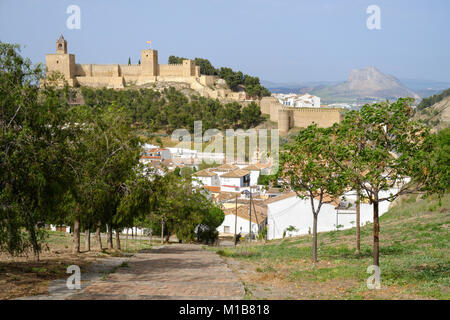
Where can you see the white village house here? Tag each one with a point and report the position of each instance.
(289, 210)
(255, 171)
(242, 220)
(206, 177)
(224, 168)
(235, 181)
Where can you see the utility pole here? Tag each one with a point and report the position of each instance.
(358, 223)
(162, 231)
(235, 224)
(256, 215)
(250, 221)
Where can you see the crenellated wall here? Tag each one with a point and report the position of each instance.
(83, 70)
(288, 117)
(133, 70)
(266, 102)
(100, 82)
(323, 117)
(105, 70)
(171, 70)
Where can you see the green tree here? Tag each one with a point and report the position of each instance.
(307, 169)
(251, 115)
(103, 157)
(206, 67)
(380, 147)
(32, 151)
(176, 60)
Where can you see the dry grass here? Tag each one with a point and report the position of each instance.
(23, 276)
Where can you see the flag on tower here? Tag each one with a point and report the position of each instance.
(148, 41)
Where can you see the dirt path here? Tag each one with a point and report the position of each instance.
(168, 272)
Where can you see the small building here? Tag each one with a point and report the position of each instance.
(235, 181)
(255, 171)
(242, 220)
(206, 177)
(224, 168)
(61, 228)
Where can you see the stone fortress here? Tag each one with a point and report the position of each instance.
(118, 76)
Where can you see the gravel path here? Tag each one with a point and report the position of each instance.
(177, 271)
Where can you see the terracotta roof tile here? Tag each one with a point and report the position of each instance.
(205, 173)
(235, 174)
(226, 167)
(252, 167)
(243, 212)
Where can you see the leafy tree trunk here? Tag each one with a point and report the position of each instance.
(162, 231)
(99, 236)
(167, 237)
(150, 236)
(376, 232)
(118, 240)
(110, 238)
(33, 238)
(76, 234)
(314, 257)
(358, 223)
(126, 240)
(87, 240)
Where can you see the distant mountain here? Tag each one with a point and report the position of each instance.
(371, 83)
(295, 87)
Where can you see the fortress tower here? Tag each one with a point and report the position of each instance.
(62, 61)
(149, 62)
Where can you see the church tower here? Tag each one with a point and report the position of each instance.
(61, 61)
(61, 45)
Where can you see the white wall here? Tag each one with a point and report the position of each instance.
(241, 223)
(206, 181)
(236, 182)
(297, 212)
(254, 177)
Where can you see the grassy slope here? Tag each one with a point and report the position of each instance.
(415, 256)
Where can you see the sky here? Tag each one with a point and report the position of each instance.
(280, 41)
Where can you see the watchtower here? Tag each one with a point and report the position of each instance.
(61, 61)
(149, 62)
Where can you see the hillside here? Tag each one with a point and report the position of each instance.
(437, 115)
(414, 260)
(364, 85)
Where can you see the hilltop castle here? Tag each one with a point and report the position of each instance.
(118, 76)
(149, 71)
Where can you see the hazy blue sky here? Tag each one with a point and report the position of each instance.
(282, 41)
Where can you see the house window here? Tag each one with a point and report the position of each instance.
(226, 229)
